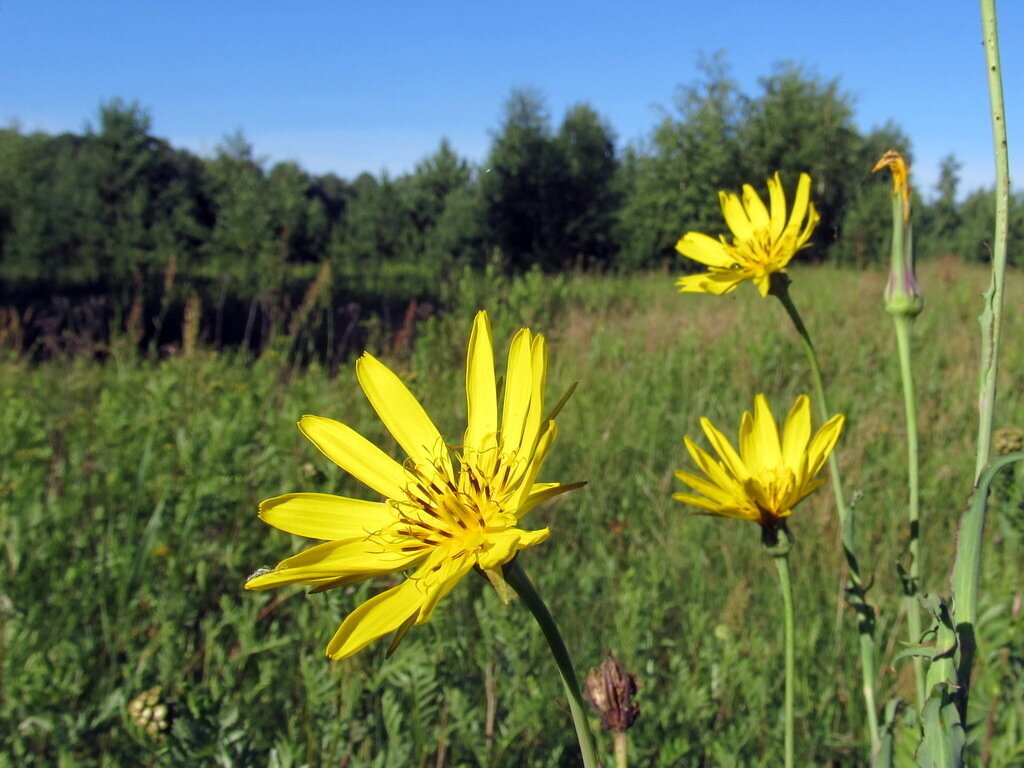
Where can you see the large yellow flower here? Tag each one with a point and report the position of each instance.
(435, 520)
(766, 479)
(763, 241)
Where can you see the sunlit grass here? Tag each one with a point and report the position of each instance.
(128, 525)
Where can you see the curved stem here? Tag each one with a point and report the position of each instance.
(516, 578)
(856, 593)
(782, 565)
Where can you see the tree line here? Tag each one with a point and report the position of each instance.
(116, 207)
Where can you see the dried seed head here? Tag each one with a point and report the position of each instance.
(610, 689)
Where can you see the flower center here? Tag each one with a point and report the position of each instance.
(772, 489)
(438, 511)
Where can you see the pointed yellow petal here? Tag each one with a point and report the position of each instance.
(710, 507)
(481, 392)
(735, 216)
(715, 472)
(375, 618)
(765, 435)
(731, 496)
(518, 389)
(704, 249)
(777, 198)
(725, 450)
(535, 417)
(402, 414)
(796, 433)
(324, 516)
(350, 561)
(756, 211)
(438, 579)
(823, 443)
(717, 283)
(355, 454)
(542, 492)
(800, 203)
(533, 467)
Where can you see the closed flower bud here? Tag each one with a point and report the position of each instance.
(610, 690)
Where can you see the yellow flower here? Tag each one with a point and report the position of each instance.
(434, 519)
(766, 479)
(763, 241)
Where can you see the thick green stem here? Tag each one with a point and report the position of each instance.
(782, 565)
(516, 578)
(912, 588)
(991, 316)
(967, 567)
(856, 593)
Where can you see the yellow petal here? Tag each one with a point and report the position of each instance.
(356, 455)
(324, 516)
(402, 414)
(711, 507)
(437, 579)
(796, 433)
(518, 390)
(800, 204)
(481, 391)
(375, 618)
(538, 371)
(756, 211)
(704, 249)
(542, 492)
(735, 216)
(731, 496)
(344, 561)
(823, 443)
(764, 437)
(777, 198)
(715, 472)
(717, 283)
(533, 467)
(725, 450)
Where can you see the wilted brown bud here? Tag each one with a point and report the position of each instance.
(609, 690)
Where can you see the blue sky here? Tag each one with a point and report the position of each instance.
(352, 86)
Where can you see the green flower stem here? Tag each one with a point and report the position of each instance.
(902, 324)
(992, 315)
(782, 565)
(967, 566)
(856, 594)
(621, 749)
(516, 578)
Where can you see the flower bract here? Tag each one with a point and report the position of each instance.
(767, 477)
(762, 242)
(444, 510)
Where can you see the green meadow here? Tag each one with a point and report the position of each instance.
(128, 497)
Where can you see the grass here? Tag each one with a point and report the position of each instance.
(128, 493)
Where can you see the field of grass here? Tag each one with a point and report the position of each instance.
(128, 495)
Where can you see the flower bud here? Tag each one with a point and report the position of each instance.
(902, 292)
(609, 689)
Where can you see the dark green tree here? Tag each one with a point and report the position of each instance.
(591, 196)
(671, 182)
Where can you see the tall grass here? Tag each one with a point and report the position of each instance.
(128, 493)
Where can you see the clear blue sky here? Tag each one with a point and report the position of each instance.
(349, 86)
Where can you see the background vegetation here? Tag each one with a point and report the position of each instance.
(116, 227)
(128, 492)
